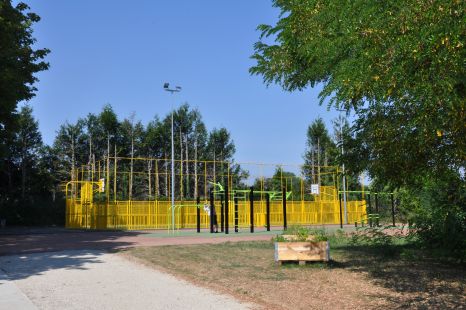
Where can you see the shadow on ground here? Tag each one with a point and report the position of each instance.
(23, 266)
(418, 282)
(25, 241)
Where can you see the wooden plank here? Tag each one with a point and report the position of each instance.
(302, 251)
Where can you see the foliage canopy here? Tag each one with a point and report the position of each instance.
(399, 65)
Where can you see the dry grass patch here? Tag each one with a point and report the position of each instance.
(356, 279)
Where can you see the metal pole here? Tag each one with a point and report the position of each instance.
(267, 204)
(222, 215)
(212, 211)
(341, 216)
(369, 217)
(198, 214)
(172, 91)
(226, 209)
(173, 179)
(377, 209)
(393, 210)
(285, 226)
(235, 199)
(251, 210)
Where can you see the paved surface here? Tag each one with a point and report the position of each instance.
(51, 240)
(11, 296)
(56, 268)
(97, 280)
(37, 240)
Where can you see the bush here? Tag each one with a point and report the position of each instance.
(302, 233)
(437, 212)
(371, 236)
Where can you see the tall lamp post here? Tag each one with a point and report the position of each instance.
(343, 168)
(166, 87)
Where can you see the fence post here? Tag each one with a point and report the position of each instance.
(226, 209)
(222, 215)
(369, 217)
(251, 207)
(236, 213)
(267, 205)
(284, 208)
(211, 192)
(198, 214)
(341, 215)
(393, 209)
(377, 209)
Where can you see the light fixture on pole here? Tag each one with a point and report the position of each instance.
(166, 87)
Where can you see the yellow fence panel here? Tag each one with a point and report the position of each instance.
(140, 215)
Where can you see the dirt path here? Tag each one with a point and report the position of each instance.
(97, 280)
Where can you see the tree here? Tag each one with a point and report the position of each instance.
(132, 134)
(110, 125)
(71, 149)
(27, 144)
(220, 148)
(280, 179)
(19, 61)
(398, 64)
(155, 146)
(320, 151)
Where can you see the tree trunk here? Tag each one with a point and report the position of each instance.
(73, 186)
(115, 175)
(23, 178)
(131, 168)
(215, 177)
(187, 167)
(318, 161)
(149, 168)
(195, 167)
(156, 191)
(222, 172)
(107, 181)
(89, 174)
(181, 166)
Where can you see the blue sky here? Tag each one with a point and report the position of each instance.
(121, 52)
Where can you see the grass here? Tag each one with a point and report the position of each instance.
(360, 276)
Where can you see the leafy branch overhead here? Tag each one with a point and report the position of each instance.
(399, 65)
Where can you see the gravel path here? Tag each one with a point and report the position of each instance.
(95, 279)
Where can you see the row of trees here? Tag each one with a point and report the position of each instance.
(32, 182)
(322, 162)
(34, 170)
(22, 177)
(102, 136)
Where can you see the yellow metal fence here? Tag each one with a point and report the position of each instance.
(138, 215)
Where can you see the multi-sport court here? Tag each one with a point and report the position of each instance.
(135, 194)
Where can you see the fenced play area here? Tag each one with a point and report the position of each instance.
(135, 194)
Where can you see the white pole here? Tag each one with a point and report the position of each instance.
(172, 91)
(173, 179)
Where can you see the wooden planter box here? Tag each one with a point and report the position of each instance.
(295, 238)
(302, 252)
